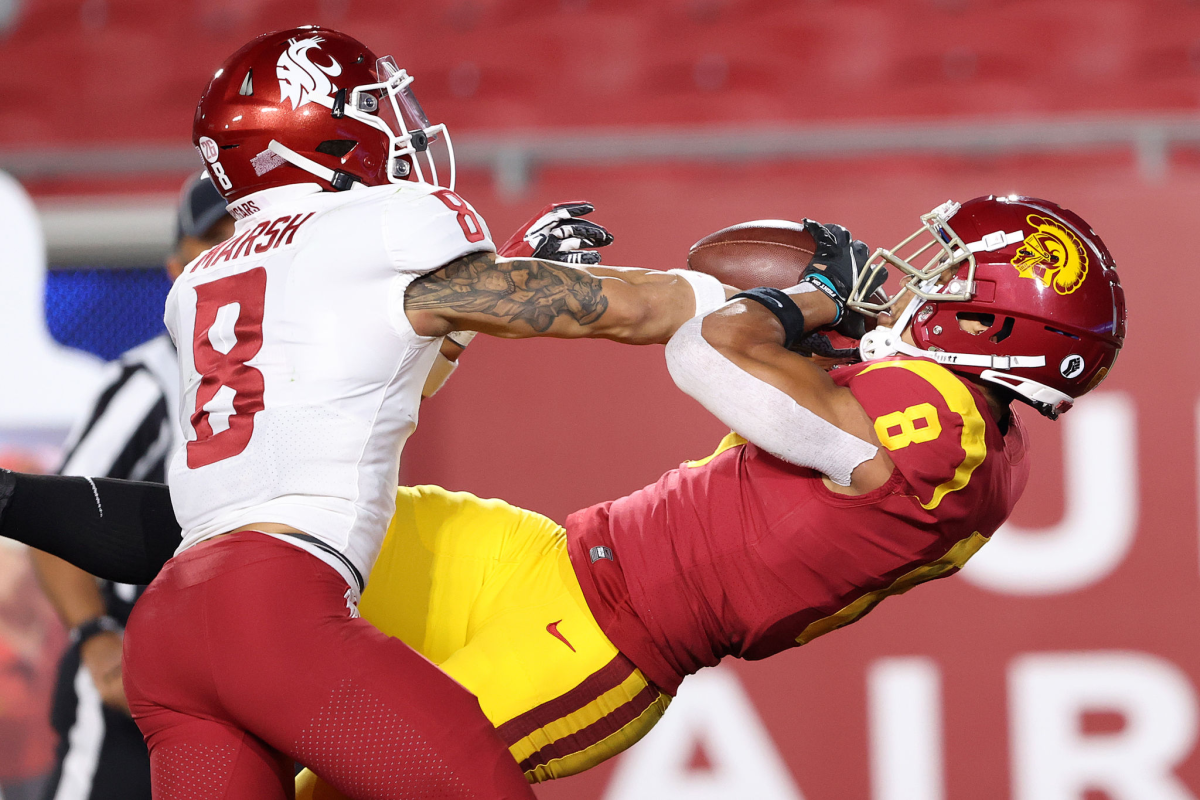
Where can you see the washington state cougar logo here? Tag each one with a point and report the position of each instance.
(1052, 255)
(302, 81)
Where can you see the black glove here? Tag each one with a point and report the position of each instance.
(835, 268)
(558, 234)
(817, 343)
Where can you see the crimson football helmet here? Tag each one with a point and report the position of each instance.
(1037, 284)
(313, 105)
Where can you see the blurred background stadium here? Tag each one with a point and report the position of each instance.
(1064, 664)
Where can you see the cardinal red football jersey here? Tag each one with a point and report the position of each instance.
(744, 554)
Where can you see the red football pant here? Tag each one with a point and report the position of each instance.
(242, 656)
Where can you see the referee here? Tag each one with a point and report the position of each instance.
(129, 433)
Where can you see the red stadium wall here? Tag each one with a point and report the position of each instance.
(118, 75)
(558, 425)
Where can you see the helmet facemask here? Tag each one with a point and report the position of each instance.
(404, 122)
(940, 245)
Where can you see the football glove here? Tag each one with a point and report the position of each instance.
(558, 234)
(828, 344)
(835, 268)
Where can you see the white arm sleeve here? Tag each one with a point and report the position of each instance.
(710, 294)
(758, 411)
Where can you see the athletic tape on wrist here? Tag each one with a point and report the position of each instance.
(783, 307)
(439, 373)
(709, 292)
(760, 412)
(461, 338)
(823, 284)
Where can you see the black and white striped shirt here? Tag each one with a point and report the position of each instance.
(130, 433)
(131, 429)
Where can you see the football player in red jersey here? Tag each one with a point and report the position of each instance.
(853, 486)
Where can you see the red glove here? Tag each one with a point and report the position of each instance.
(558, 234)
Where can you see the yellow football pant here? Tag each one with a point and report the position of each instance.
(486, 591)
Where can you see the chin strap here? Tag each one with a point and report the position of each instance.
(890, 344)
(884, 342)
(338, 179)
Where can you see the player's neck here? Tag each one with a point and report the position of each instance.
(1000, 408)
(997, 403)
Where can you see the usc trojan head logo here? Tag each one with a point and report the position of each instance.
(302, 81)
(1053, 255)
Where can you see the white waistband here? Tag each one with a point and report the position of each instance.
(329, 558)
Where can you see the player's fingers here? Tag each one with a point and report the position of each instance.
(567, 245)
(861, 253)
(537, 241)
(589, 233)
(821, 235)
(544, 222)
(575, 208)
(876, 281)
(586, 257)
(556, 214)
(841, 236)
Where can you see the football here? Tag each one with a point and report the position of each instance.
(765, 252)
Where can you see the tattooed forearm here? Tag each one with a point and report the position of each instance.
(518, 290)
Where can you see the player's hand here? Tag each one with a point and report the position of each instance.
(101, 654)
(835, 269)
(557, 233)
(828, 349)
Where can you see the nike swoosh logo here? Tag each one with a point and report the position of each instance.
(552, 629)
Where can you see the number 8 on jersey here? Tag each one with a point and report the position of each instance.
(228, 333)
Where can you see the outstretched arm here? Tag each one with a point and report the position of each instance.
(121, 531)
(735, 363)
(522, 297)
(739, 364)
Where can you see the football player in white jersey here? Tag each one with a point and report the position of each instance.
(305, 342)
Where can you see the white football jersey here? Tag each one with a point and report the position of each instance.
(301, 375)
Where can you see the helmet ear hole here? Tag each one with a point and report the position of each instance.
(1005, 330)
(338, 148)
(974, 323)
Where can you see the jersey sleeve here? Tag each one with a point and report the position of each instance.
(426, 228)
(929, 422)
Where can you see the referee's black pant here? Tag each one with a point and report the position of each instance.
(101, 754)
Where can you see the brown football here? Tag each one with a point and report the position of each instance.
(765, 252)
